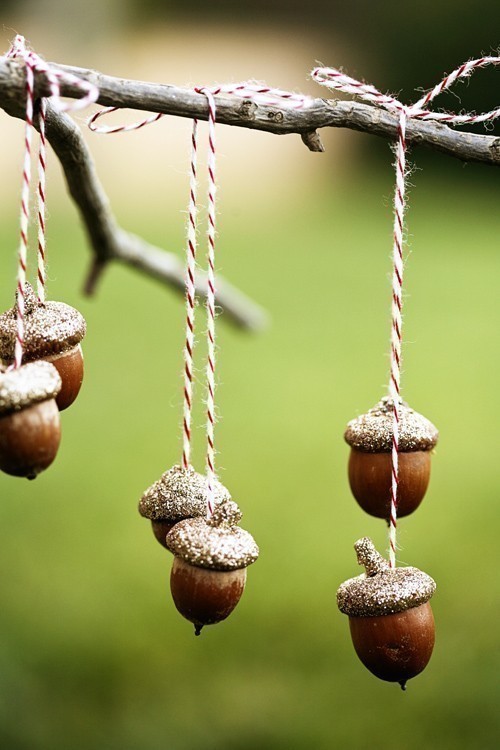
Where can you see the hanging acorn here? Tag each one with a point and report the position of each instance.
(53, 332)
(370, 465)
(30, 430)
(178, 494)
(390, 617)
(209, 569)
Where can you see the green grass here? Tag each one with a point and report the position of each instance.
(92, 651)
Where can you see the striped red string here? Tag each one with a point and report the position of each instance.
(35, 65)
(42, 166)
(190, 301)
(259, 94)
(25, 196)
(210, 302)
(333, 78)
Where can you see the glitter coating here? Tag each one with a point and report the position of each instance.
(372, 432)
(28, 385)
(368, 557)
(227, 513)
(178, 494)
(382, 590)
(204, 545)
(50, 328)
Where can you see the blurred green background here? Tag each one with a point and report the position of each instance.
(92, 651)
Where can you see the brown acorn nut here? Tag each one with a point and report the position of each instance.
(178, 494)
(209, 569)
(370, 461)
(390, 617)
(53, 331)
(30, 430)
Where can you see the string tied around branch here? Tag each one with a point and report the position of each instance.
(259, 94)
(35, 65)
(256, 92)
(336, 80)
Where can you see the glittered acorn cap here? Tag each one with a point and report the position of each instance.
(382, 590)
(178, 494)
(217, 543)
(27, 385)
(50, 328)
(372, 432)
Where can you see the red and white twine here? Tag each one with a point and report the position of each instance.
(264, 95)
(335, 79)
(260, 95)
(42, 166)
(210, 304)
(256, 92)
(190, 301)
(25, 197)
(35, 65)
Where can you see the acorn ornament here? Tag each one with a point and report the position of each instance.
(53, 331)
(390, 617)
(30, 430)
(210, 561)
(177, 495)
(370, 463)
(211, 553)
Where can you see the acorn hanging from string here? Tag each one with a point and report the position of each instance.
(30, 430)
(209, 568)
(390, 617)
(177, 495)
(370, 463)
(53, 332)
(211, 554)
(44, 330)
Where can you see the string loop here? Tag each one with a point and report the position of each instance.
(259, 94)
(35, 65)
(335, 79)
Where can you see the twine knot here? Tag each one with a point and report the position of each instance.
(335, 79)
(54, 77)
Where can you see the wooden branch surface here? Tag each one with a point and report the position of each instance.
(239, 112)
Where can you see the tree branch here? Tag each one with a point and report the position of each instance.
(240, 112)
(108, 240)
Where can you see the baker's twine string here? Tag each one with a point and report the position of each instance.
(260, 95)
(210, 302)
(337, 80)
(42, 166)
(191, 248)
(35, 65)
(249, 92)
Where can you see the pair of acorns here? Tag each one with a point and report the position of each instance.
(391, 621)
(211, 553)
(47, 382)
